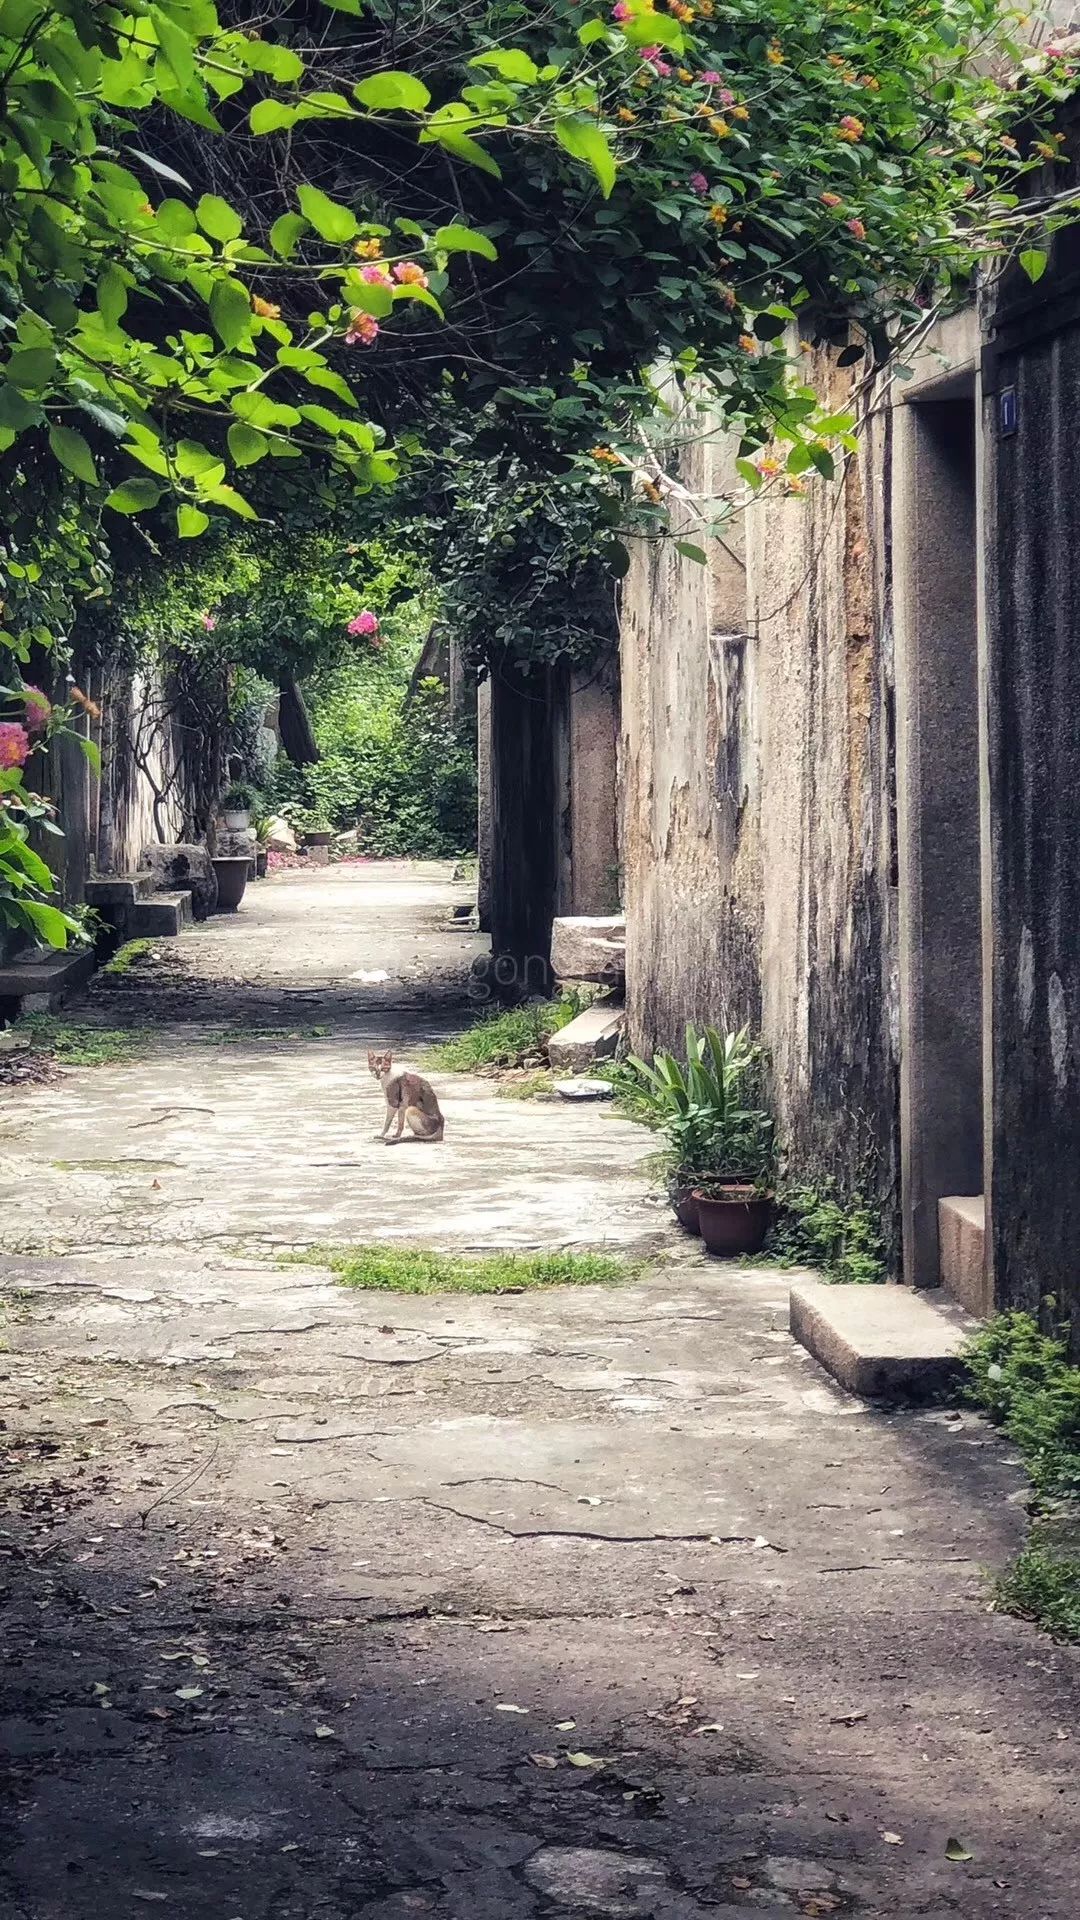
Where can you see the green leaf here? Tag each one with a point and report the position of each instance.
(1034, 262)
(690, 552)
(285, 233)
(134, 496)
(218, 219)
(956, 1850)
(91, 751)
(458, 239)
(386, 91)
(230, 311)
(52, 925)
(191, 521)
(175, 218)
(462, 145)
(31, 368)
(592, 31)
(177, 47)
(112, 296)
(331, 221)
(224, 496)
(279, 62)
(345, 6)
(269, 116)
(654, 30)
(509, 63)
(581, 137)
(73, 453)
(246, 444)
(425, 298)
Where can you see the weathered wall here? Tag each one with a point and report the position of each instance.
(757, 807)
(1033, 718)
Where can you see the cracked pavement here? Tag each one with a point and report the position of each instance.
(591, 1601)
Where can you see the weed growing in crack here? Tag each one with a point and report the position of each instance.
(127, 957)
(72, 1044)
(514, 1038)
(395, 1269)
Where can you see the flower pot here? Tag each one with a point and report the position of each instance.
(319, 837)
(236, 819)
(684, 1206)
(260, 864)
(232, 877)
(734, 1221)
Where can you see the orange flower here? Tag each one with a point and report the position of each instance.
(718, 214)
(748, 343)
(681, 11)
(684, 74)
(767, 466)
(706, 8)
(652, 492)
(265, 309)
(80, 699)
(368, 249)
(851, 128)
(740, 113)
(831, 200)
(794, 485)
(774, 54)
(867, 80)
(720, 128)
(606, 454)
(626, 115)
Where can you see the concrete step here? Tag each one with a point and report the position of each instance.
(962, 1257)
(883, 1343)
(111, 890)
(159, 916)
(592, 1035)
(589, 947)
(43, 984)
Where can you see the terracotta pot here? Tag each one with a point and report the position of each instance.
(684, 1206)
(735, 1221)
(232, 878)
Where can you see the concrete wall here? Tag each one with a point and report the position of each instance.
(757, 787)
(1033, 717)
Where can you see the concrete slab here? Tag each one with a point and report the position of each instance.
(589, 947)
(593, 1035)
(46, 982)
(962, 1243)
(883, 1343)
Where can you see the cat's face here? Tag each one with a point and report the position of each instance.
(380, 1063)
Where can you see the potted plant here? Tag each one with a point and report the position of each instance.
(260, 826)
(236, 805)
(720, 1137)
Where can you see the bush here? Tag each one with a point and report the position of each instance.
(401, 772)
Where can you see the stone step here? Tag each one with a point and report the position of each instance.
(592, 1035)
(883, 1342)
(44, 983)
(159, 916)
(112, 890)
(962, 1257)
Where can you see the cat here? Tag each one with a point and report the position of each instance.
(409, 1098)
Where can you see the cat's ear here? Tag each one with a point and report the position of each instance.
(372, 1060)
(388, 1061)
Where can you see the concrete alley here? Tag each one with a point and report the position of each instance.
(323, 1604)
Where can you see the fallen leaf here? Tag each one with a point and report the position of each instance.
(543, 1759)
(291, 1846)
(584, 1760)
(505, 1706)
(847, 1719)
(711, 1726)
(324, 1733)
(739, 1880)
(160, 1713)
(893, 1839)
(589, 1500)
(140, 1893)
(188, 1693)
(956, 1850)
(565, 1726)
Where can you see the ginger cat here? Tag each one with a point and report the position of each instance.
(409, 1098)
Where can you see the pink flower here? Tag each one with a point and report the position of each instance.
(654, 58)
(375, 276)
(726, 98)
(38, 709)
(363, 331)
(365, 623)
(14, 745)
(698, 183)
(620, 11)
(209, 621)
(710, 78)
(409, 274)
(856, 227)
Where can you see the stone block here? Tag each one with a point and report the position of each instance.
(962, 1251)
(109, 891)
(41, 983)
(589, 947)
(317, 856)
(184, 868)
(592, 1035)
(159, 917)
(883, 1343)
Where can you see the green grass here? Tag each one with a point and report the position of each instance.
(505, 1039)
(535, 1086)
(1022, 1379)
(393, 1269)
(1044, 1586)
(127, 957)
(74, 1045)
